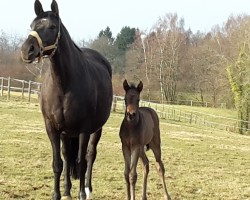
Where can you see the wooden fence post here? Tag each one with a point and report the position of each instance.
(8, 97)
(114, 103)
(191, 118)
(23, 84)
(29, 90)
(2, 85)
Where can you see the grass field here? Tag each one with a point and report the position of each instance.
(200, 163)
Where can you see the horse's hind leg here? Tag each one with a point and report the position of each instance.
(83, 144)
(160, 167)
(91, 156)
(145, 163)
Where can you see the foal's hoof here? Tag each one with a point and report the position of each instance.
(66, 198)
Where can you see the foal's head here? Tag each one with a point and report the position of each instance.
(44, 35)
(132, 98)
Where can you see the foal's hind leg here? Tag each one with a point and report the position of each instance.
(91, 156)
(145, 163)
(160, 167)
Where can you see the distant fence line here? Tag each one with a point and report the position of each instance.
(191, 103)
(166, 111)
(16, 85)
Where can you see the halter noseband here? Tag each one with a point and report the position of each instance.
(47, 48)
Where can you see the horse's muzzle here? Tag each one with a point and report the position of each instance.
(30, 50)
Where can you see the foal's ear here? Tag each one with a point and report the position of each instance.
(140, 87)
(125, 85)
(38, 7)
(54, 7)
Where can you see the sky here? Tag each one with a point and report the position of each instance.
(84, 19)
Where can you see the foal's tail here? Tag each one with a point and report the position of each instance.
(73, 152)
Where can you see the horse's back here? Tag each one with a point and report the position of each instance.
(95, 56)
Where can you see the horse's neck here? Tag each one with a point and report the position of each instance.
(64, 61)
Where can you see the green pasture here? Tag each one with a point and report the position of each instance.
(201, 162)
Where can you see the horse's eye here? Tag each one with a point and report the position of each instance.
(52, 27)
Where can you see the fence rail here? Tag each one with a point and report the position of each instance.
(15, 85)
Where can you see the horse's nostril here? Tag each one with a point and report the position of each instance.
(31, 49)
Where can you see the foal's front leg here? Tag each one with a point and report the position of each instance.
(127, 158)
(135, 153)
(145, 163)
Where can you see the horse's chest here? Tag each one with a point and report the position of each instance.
(68, 115)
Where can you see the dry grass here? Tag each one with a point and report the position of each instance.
(200, 164)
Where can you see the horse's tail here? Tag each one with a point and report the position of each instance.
(73, 153)
(146, 147)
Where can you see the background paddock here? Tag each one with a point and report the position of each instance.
(201, 163)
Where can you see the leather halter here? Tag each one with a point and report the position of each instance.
(47, 48)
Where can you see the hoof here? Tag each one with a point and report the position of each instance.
(66, 198)
(88, 194)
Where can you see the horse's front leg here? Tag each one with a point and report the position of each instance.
(91, 156)
(66, 150)
(57, 163)
(127, 158)
(135, 153)
(83, 144)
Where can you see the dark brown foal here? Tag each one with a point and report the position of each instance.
(140, 128)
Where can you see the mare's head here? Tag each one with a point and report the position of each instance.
(44, 35)
(132, 98)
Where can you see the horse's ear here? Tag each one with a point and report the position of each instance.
(38, 7)
(54, 7)
(140, 87)
(125, 85)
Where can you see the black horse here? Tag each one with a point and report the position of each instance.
(140, 128)
(76, 98)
